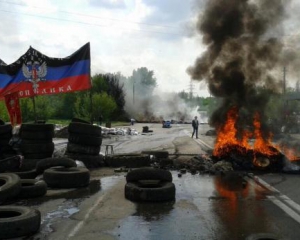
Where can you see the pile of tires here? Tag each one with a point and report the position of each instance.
(127, 160)
(84, 143)
(63, 177)
(37, 140)
(149, 185)
(5, 136)
(18, 221)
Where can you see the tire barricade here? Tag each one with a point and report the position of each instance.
(128, 160)
(5, 136)
(36, 140)
(84, 143)
(149, 185)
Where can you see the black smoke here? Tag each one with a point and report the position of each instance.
(241, 54)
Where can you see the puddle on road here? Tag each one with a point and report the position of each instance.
(68, 207)
(206, 207)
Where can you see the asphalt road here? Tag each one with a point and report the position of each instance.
(203, 209)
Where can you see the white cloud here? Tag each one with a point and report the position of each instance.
(124, 35)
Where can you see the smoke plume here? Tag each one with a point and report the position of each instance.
(241, 54)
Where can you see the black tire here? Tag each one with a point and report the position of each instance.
(28, 164)
(32, 188)
(31, 174)
(6, 136)
(10, 186)
(18, 221)
(157, 154)
(37, 148)
(128, 161)
(46, 163)
(83, 149)
(37, 135)
(38, 155)
(88, 160)
(263, 236)
(6, 128)
(67, 177)
(11, 163)
(82, 128)
(163, 191)
(2, 122)
(149, 174)
(78, 120)
(85, 139)
(31, 127)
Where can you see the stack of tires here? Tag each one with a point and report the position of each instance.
(84, 143)
(18, 221)
(5, 136)
(37, 140)
(149, 185)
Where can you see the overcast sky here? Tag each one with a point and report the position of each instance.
(124, 34)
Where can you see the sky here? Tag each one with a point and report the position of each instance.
(124, 35)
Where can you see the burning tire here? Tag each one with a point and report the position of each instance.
(31, 188)
(67, 177)
(85, 139)
(83, 149)
(157, 154)
(150, 191)
(130, 161)
(10, 186)
(83, 128)
(17, 221)
(46, 163)
(149, 174)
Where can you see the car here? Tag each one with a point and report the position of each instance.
(166, 124)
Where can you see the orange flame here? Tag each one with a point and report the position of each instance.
(227, 137)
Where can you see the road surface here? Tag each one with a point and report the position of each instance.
(269, 203)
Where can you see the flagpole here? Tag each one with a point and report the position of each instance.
(34, 110)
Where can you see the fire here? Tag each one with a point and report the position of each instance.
(227, 139)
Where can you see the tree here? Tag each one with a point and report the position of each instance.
(3, 112)
(143, 81)
(110, 84)
(102, 104)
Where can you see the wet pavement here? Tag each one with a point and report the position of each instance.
(206, 206)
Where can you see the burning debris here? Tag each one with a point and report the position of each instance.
(238, 67)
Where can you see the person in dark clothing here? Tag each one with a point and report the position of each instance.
(195, 125)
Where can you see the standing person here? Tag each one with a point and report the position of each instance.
(195, 125)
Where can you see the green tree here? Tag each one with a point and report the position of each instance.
(102, 104)
(143, 81)
(3, 112)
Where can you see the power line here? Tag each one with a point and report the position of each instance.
(91, 24)
(92, 16)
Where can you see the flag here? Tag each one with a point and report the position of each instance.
(13, 107)
(37, 74)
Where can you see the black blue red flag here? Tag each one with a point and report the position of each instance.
(37, 74)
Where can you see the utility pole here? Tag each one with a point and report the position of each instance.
(284, 81)
(283, 94)
(133, 93)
